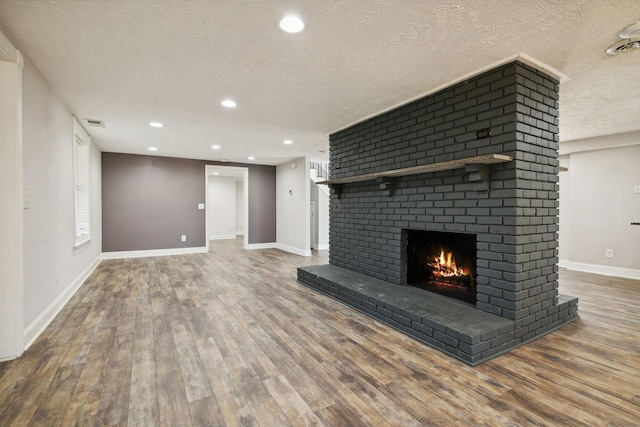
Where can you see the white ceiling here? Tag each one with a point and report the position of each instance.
(129, 62)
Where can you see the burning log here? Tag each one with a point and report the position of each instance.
(444, 270)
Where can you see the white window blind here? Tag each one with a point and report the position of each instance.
(81, 145)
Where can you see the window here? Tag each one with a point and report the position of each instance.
(82, 201)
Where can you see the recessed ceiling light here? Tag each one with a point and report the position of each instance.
(152, 148)
(229, 103)
(155, 124)
(291, 24)
(251, 158)
(287, 142)
(215, 147)
(216, 173)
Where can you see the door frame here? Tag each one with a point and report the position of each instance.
(208, 169)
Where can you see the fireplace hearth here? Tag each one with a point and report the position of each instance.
(444, 263)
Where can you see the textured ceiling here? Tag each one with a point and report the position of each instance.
(129, 62)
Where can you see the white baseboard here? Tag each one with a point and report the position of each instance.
(223, 237)
(239, 233)
(33, 331)
(323, 247)
(280, 246)
(154, 252)
(293, 250)
(262, 245)
(627, 273)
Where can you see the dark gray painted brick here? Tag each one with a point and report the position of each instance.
(515, 220)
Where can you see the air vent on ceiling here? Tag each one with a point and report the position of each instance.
(93, 122)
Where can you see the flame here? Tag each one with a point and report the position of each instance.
(445, 266)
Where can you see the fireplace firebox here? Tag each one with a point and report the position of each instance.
(444, 263)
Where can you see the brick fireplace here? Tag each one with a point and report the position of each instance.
(478, 161)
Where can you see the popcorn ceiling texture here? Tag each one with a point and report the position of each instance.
(133, 61)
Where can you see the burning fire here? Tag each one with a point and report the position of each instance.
(445, 266)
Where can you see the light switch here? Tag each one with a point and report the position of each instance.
(26, 201)
(201, 206)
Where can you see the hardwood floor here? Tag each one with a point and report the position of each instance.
(230, 338)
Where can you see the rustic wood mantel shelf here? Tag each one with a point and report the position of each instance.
(486, 159)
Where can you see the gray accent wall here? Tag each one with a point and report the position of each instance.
(262, 204)
(149, 202)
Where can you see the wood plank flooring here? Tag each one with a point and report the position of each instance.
(229, 338)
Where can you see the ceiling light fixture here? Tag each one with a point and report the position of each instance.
(287, 142)
(216, 173)
(291, 24)
(630, 40)
(229, 103)
(251, 158)
(152, 148)
(155, 124)
(215, 147)
(631, 32)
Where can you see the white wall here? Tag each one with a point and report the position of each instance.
(597, 206)
(321, 225)
(240, 214)
(323, 220)
(11, 224)
(52, 272)
(564, 218)
(292, 207)
(313, 197)
(222, 207)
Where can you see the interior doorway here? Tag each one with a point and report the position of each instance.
(222, 221)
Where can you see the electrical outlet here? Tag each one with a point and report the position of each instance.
(184, 238)
(636, 189)
(57, 278)
(608, 253)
